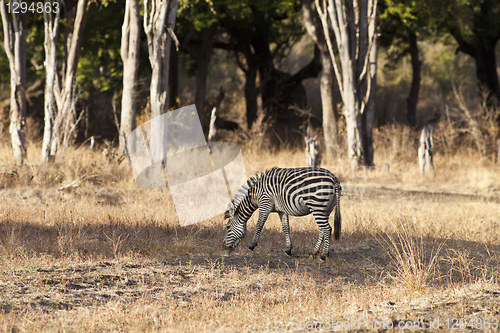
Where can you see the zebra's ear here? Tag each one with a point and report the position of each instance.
(230, 211)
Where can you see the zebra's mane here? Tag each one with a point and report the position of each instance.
(243, 191)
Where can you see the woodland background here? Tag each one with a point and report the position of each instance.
(436, 63)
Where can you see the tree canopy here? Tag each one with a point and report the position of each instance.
(255, 38)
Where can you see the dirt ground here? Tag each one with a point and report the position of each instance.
(49, 291)
(181, 280)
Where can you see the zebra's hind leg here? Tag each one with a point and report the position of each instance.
(327, 235)
(286, 229)
(318, 243)
(325, 231)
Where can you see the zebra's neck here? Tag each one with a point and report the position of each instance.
(246, 208)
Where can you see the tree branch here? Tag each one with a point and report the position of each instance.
(463, 45)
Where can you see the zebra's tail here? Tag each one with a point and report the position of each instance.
(337, 219)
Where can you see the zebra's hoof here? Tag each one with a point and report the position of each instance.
(323, 258)
(251, 247)
(288, 252)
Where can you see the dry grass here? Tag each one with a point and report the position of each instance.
(414, 265)
(105, 255)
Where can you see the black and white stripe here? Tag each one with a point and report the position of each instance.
(295, 192)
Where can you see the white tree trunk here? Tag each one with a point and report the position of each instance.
(212, 130)
(327, 79)
(159, 22)
(51, 30)
(313, 152)
(15, 48)
(327, 105)
(65, 89)
(354, 34)
(425, 150)
(130, 56)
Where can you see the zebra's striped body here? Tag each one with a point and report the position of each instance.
(295, 192)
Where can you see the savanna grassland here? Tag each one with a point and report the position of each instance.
(82, 248)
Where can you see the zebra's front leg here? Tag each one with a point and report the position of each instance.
(286, 229)
(263, 214)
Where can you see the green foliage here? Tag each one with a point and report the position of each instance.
(242, 21)
(467, 18)
(476, 21)
(100, 65)
(413, 15)
(399, 18)
(275, 23)
(201, 13)
(34, 51)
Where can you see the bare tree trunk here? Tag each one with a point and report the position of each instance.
(212, 130)
(130, 43)
(328, 107)
(15, 48)
(327, 79)
(486, 65)
(354, 35)
(251, 93)
(313, 152)
(368, 116)
(425, 150)
(69, 17)
(51, 30)
(203, 60)
(482, 49)
(64, 88)
(412, 100)
(159, 22)
(173, 80)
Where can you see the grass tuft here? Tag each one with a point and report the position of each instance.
(415, 264)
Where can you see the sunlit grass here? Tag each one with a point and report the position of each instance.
(436, 234)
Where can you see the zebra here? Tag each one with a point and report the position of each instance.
(287, 191)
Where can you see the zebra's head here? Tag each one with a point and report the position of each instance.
(235, 229)
(238, 212)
